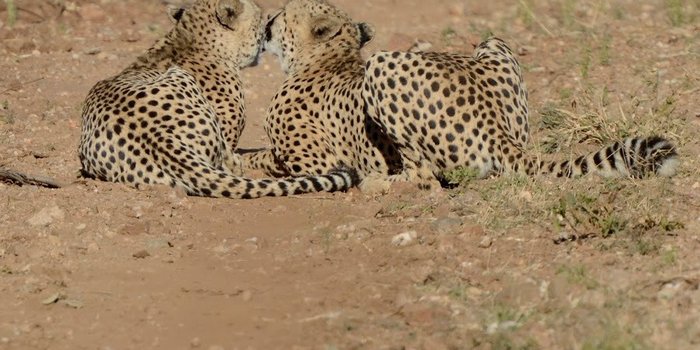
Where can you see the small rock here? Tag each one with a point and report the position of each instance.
(404, 239)
(420, 46)
(672, 288)
(141, 254)
(486, 242)
(247, 295)
(54, 298)
(72, 303)
(93, 247)
(195, 342)
(92, 51)
(46, 216)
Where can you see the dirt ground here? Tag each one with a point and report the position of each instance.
(503, 263)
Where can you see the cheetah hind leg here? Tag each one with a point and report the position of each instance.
(420, 175)
(234, 164)
(416, 170)
(265, 160)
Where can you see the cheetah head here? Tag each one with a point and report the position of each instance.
(229, 30)
(304, 27)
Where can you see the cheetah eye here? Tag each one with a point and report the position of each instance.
(321, 31)
(223, 22)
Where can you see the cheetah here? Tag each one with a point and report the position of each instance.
(444, 111)
(316, 120)
(174, 116)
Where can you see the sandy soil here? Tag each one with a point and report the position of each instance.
(500, 264)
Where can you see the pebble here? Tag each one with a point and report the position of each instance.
(195, 342)
(672, 288)
(46, 216)
(486, 242)
(141, 254)
(404, 239)
(92, 51)
(93, 247)
(420, 46)
(54, 298)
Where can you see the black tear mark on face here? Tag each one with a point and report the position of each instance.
(268, 26)
(366, 33)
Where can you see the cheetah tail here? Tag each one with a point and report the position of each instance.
(220, 183)
(635, 157)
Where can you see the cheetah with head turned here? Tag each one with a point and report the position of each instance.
(316, 120)
(444, 111)
(174, 116)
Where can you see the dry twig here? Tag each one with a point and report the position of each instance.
(20, 179)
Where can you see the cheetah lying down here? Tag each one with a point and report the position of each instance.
(174, 116)
(441, 111)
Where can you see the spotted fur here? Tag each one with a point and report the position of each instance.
(174, 116)
(316, 121)
(444, 111)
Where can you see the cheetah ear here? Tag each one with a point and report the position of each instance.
(365, 32)
(324, 28)
(175, 13)
(227, 11)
